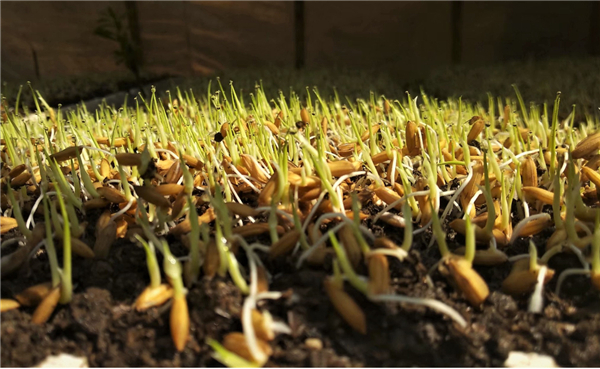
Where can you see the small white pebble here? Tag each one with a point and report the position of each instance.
(64, 361)
(314, 343)
(518, 359)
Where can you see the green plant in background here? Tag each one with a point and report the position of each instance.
(112, 26)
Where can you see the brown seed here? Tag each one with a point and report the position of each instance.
(388, 196)
(192, 162)
(476, 129)
(151, 195)
(236, 343)
(254, 168)
(266, 194)
(7, 223)
(285, 244)
(304, 116)
(537, 193)
(529, 173)
(351, 246)
(592, 175)
(174, 173)
(129, 159)
(343, 167)
(346, 306)
(186, 227)
(66, 154)
(460, 226)
(97, 203)
(262, 283)
(80, 248)
(16, 171)
(179, 322)
(521, 280)
(379, 274)
(309, 181)
(413, 144)
(485, 257)
(106, 236)
(212, 259)
(242, 210)
(8, 304)
(33, 295)
(262, 324)
(587, 147)
(20, 180)
(254, 229)
(46, 307)
(467, 280)
(471, 187)
(224, 130)
(113, 195)
(367, 134)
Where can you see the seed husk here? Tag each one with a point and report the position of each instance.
(80, 248)
(169, 189)
(587, 147)
(180, 322)
(388, 196)
(111, 194)
(7, 223)
(236, 343)
(486, 257)
(262, 323)
(592, 175)
(521, 279)
(186, 226)
(33, 295)
(254, 168)
(262, 283)
(242, 210)
(66, 154)
(212, 259)
(151, 195)
(305, 116)
(540, 194)
(346, 307)
(8, 304)
(285, 244)
(343, 167)
(129, 159)
(16, 171)
(20, 180)
(348, 240)
(529, 173)
(254, 229)
(476, 129)
(97, 203)
(106, 236)
(467, 280)
(46, 307)
(379, 274)
(412, 140)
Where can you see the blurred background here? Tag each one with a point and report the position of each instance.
(80, 50)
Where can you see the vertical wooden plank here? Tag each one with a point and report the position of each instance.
(237, 34)
(407, 38)
(61, 33)
(499, 31)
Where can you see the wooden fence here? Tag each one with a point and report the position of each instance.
(49, 39)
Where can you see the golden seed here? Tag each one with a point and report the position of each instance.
(285, 244)
(236, 343)
(152, 297)
(129, 159)
(179, 322)
(7, 223)
(476, 129)
(592, 175)
(348, 240)
(212, 259)
(262, 323)
(304, 116)
(242, 210)
(16, 171)
(113, 195)
(379, 274)
(529, 173)
(587, 147)
(388, 196)
(467, 280)
(8, 304)
(346, 307)
(537, 193)
(33, 295)
(151, 195)
(46, 307)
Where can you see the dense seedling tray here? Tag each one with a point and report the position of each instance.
(255, 230)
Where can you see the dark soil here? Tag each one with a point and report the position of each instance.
(101, 325)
